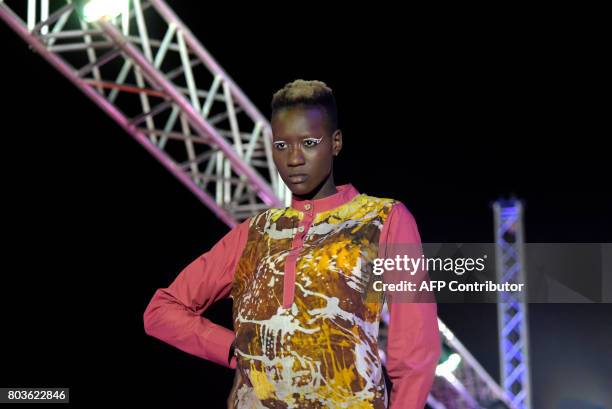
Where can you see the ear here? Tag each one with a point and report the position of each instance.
(336, 142)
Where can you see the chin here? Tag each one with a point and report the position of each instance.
(300, 189)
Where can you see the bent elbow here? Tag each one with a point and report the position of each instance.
(149, 318)
(147, 323)
(148, 326)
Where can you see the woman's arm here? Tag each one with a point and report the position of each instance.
(232, 395)
(413, 344)
(174, 313)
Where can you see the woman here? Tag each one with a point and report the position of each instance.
(304, 309)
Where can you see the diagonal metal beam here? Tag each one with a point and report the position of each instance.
(136, 76)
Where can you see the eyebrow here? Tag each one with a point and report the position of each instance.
(302, 138)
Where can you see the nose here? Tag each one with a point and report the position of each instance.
(296, 156)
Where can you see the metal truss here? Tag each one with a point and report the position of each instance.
(468, 385)
(511, 309)
(148, 72)
(464, 385)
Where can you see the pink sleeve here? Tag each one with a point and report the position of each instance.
(413, 344)
(174, 313)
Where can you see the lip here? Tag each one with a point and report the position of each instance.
(298, 178)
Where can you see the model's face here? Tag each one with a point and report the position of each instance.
(303, 147)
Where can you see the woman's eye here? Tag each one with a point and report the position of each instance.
(310, 142)
(280, 145)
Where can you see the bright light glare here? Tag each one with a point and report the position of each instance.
(448, 367)
(104, 9)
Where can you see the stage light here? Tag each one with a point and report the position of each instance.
(448, 366)
(94, 10)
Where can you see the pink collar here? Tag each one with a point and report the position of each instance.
(344, 194)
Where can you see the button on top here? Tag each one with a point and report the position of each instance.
(307, 206)
(301, 229)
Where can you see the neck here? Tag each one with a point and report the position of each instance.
(325, 188)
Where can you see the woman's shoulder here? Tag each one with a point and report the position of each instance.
(271, 215)
(387, 206)
(386, 202)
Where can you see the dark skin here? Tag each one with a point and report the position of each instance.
(295, 150)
